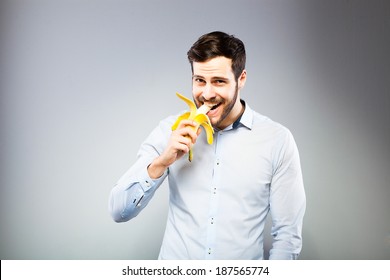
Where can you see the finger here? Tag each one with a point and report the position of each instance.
(185, 123)
(190, 133)
(181, 137)
(185, 140)
(187, 131)
(182, 147)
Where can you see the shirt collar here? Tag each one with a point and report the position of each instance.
(246, 119)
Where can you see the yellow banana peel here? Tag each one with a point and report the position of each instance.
(200, 118)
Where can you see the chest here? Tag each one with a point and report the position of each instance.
(237, 165)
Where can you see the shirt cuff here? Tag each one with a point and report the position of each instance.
(280, 255)
(148, 183)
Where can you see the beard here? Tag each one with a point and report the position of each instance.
(228, 105)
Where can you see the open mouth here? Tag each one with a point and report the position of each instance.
(215, 106)
(214, 110)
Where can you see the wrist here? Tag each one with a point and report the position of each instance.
(156, 169)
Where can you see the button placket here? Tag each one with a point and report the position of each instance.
(212, 220)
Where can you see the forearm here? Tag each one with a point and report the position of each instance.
(136, 187)
(132, 193)
(161, 149)
(287, 244)
(287, 220)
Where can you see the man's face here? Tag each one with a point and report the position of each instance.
(213, 83)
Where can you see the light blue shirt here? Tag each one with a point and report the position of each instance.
(218, 203)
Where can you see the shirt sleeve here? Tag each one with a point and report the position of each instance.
(287, 200)
(135, 188)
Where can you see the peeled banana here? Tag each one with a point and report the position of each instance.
(197, 115)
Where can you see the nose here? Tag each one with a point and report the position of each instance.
(208, 92)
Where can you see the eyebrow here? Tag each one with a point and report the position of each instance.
(212, 78)
(220, 78)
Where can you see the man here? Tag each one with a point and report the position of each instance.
(219, 202)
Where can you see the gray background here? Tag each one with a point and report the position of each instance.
(84, 82)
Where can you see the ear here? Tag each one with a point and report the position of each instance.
(242, 79)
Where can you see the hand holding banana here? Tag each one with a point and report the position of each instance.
(199, 117)
(184, 135)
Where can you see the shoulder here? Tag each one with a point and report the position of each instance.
(267, 126)
(278, 136)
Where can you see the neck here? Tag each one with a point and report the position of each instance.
(234, 114)
(240, 111)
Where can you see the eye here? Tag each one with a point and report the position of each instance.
(219, 82)
(199, 80)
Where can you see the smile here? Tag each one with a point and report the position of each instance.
(214, 110)
(215, 106)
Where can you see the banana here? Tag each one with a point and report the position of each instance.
(197, 115)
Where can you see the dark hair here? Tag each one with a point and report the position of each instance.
(216, 44)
